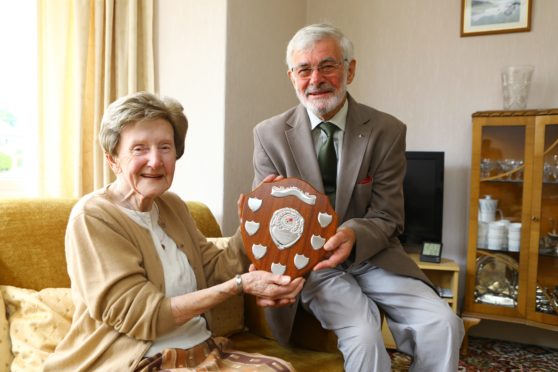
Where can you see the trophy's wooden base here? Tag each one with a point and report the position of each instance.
(284, 226)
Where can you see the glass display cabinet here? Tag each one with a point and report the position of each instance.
(512, 257)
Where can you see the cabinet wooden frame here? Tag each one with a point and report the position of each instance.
(535, 124)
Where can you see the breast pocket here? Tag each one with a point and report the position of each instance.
(363, 192)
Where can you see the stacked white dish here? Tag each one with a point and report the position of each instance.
(482, 235)
(497, 237)
(514, 237)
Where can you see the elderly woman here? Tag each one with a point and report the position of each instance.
(141, 271)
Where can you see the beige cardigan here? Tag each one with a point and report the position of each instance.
(118, 283)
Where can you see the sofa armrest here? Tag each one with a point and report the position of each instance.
(205, 220)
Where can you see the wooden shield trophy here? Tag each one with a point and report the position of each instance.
(284, 226)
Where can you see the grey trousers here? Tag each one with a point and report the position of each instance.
(346, 299)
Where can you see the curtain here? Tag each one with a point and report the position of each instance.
(90, 53)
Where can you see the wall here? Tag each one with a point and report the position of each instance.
(190, 38)
(257, 85)
(224, 60)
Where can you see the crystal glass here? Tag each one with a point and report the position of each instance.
(486, 167)
(515, 86)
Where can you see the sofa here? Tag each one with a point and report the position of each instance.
(37, 306)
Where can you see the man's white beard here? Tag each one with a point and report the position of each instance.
(321, 107)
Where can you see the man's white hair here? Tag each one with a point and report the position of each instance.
(306, 37)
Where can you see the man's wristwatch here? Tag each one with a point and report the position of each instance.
(239, 287)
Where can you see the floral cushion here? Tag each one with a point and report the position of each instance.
(5, 344)
(37, 320)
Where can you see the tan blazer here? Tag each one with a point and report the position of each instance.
(369, 196)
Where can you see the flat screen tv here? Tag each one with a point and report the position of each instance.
(423, 189)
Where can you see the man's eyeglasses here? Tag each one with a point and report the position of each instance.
(326, 68)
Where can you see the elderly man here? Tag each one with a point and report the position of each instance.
(356, 155)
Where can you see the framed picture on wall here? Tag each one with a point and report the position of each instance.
(483, 17)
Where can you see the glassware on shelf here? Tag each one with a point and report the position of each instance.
(517, 165)
(506, 165)
(496, 280)
(519, 173)
(484, 168)
(512, 169)
(554, 299)
(550, 170)
(548, 244)
(503, 170)
(546, 301)
(487, 167)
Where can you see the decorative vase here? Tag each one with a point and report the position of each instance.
(516, 81)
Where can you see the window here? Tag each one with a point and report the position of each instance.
(18, 98)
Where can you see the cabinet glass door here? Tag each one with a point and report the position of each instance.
(543, 297)
(502, 168)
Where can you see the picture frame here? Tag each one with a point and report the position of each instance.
(484, 17)
(431, 252)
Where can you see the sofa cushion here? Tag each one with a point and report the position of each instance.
(5, 344)
(37, 323)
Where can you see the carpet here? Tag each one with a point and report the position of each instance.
(488, 355)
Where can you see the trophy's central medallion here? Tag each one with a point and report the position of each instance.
(285, 225)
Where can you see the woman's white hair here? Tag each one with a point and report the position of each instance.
(306, 37)
(141, 106)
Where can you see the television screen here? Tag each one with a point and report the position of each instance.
(423, 190)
